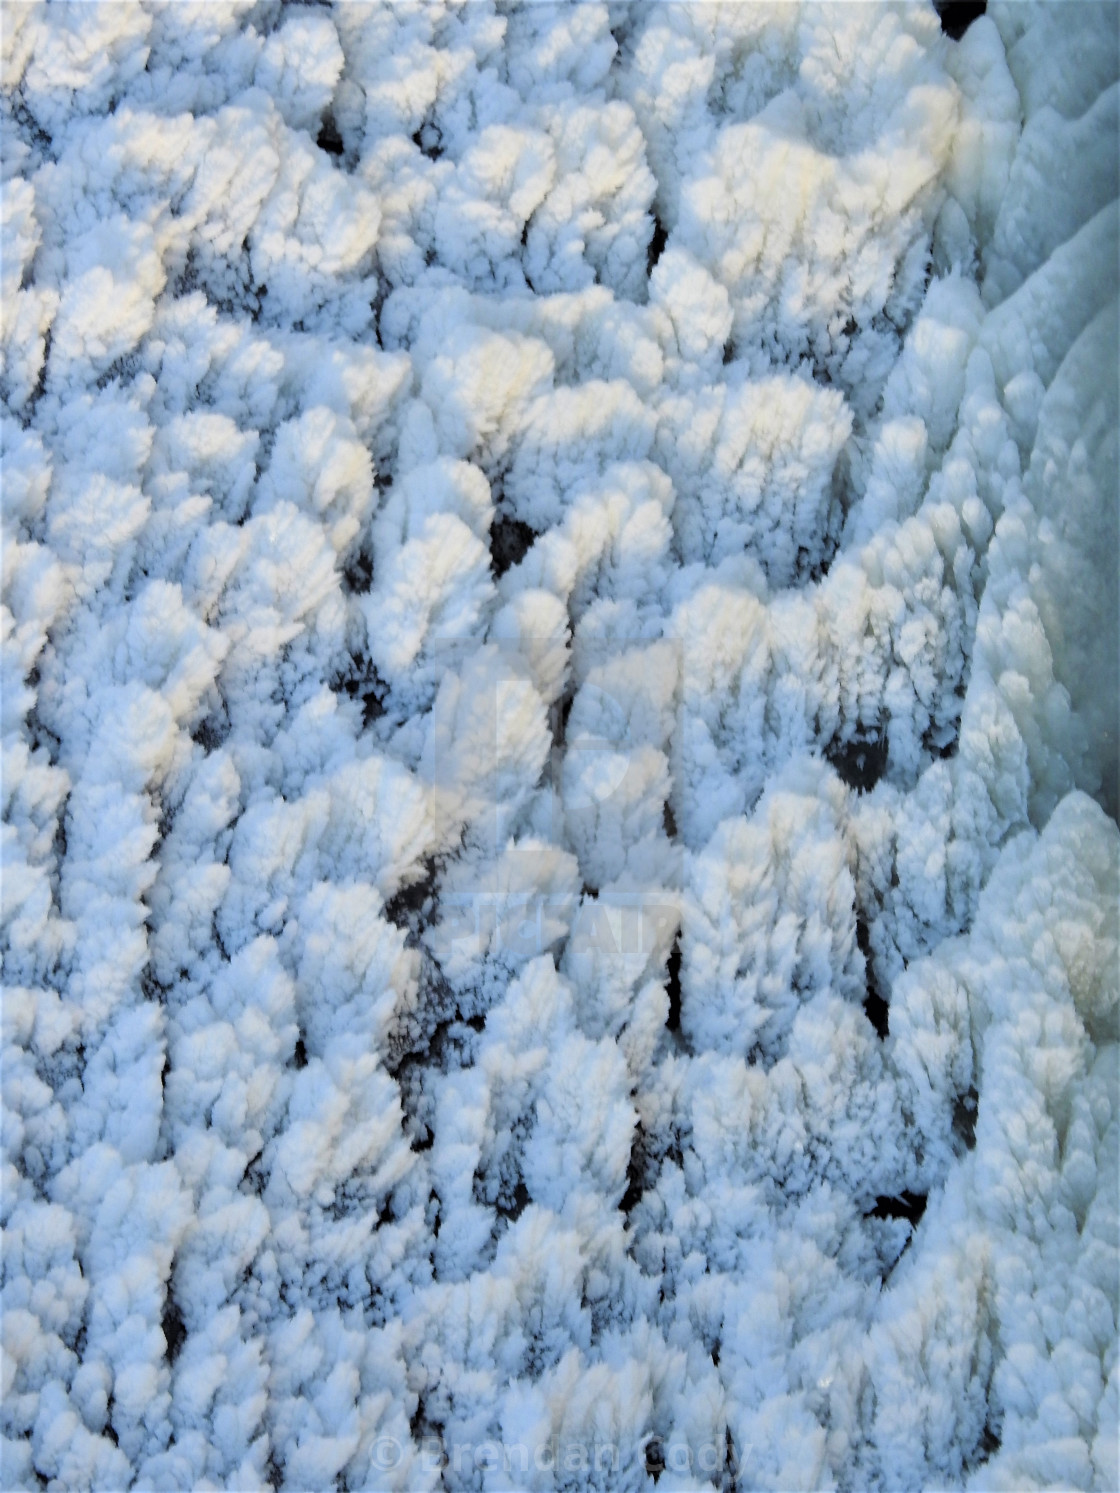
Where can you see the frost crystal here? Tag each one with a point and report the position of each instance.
(560, 745)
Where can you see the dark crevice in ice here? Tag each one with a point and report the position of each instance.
(876, 1008)
(361, 682)
(965, 1109)
(990, 1442)
(673, 986)
(328, 138)
(173, 1327)
(211, 731)
(635, 1171)
(860, 762)
(413, 906)
(510, 539)
(357, 573)
(656, 245)
(655, 1457)
(429, 140)
(958, 15)
(907, 1205)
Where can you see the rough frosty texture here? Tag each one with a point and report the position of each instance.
(560, 757)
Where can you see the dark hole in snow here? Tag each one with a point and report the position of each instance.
(423, 1428)
(715, 1355)
(990, 1442)
(426, 1141)
(655, 1457)
(635, 1171)
(299, 1057)
(119, 370)
(362, 682)
(509, 543)
(944, 744)
(372, 709)
(811, 569)
(433, 1035)
(875, 1007)
(958, 15)
(110, 1432)
(668, 818)
(30, 126)
(41, 382)
(328, 138)
(964, 1117)
(41, 737)
(172, 1326)
(512, 1205)
(216, 935)
(877, 1011)
(252, 1177)
(656, 245)
(272, 1474)
(728, 352)
(210, 733)
(860, 762)
(673, 986)
(429, 140)
(411, 903)
(151, 988)
(908, 1205)
(558, 713)
(357, 573)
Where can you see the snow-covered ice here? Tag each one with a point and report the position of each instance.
(560, 746)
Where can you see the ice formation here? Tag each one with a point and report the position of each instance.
(559, 746)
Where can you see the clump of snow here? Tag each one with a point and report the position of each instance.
(559, 746)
